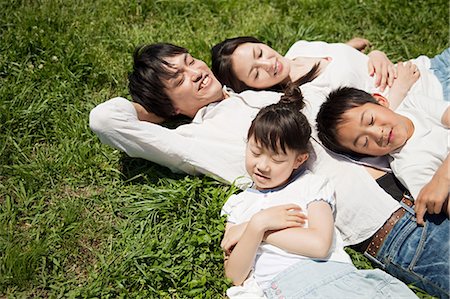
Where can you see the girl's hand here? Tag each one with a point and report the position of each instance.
(232, 236)
(359, 43)
(382, 68)
(279, 217)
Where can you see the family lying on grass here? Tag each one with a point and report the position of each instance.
(372, 211)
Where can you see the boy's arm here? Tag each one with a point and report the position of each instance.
(238, 264)
(435, 193)
(445, 120)
(407, 75)
(314, 241)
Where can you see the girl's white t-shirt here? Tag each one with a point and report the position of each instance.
(271, 260)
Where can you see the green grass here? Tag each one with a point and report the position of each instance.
(79, 219)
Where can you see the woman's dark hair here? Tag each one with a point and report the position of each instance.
(150, 71)
(331, 115)
(221, 61)
(281, 125)
(223, 70)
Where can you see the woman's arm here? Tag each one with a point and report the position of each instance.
(435, 193)
(383, 69)
(238, 264)
(314, 241)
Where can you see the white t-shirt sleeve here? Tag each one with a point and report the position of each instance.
(434, 108)
(231, 208)
(320, 189)
(116, 124)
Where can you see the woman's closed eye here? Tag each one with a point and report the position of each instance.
(371, 122)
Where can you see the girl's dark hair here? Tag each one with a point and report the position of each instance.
(150, 71)
(222, 68)
(281, 126)
(331, 115)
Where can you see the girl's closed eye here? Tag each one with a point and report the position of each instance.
(371, 122)
(260, 53)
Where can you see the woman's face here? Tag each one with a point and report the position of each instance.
(259, 66)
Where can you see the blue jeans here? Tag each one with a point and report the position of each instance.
(440, 65)
(418, 255)
(328, 279)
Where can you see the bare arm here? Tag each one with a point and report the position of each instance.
(433, 195)
(359, 43)
(445, 120)
(407, 75)
(238, 264)
(382, 68)
(314, 241)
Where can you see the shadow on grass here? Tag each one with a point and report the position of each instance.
(141, 171)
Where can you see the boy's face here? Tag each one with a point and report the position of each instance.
(268, 169)
(194, 85)
(374, 130)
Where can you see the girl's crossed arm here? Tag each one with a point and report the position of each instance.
(240, 261)
(314, 241)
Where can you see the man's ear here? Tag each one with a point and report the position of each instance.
(381, 100)
(301, 158)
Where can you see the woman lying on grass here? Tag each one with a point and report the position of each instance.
(243, 63)
(264, 237)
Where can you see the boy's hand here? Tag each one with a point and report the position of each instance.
(232, 237)
(359, 43)
(279, 217)
(431, 198)
(407, 75)
(382, 68)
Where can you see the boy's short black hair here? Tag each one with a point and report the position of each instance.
(150, 71)
(331, 113)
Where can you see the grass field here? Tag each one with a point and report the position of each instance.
(80, 219)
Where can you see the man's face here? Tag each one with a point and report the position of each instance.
(374, 130)
(193, 86)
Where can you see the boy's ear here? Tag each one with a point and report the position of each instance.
(301, 158)
(381, 100)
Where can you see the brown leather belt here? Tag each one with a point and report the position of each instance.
(378, 238)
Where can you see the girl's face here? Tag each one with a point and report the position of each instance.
(268, 169)
(259, 66)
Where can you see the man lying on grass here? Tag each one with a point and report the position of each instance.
(167, 82)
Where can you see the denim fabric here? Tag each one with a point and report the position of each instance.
(325, 279)
(440, 64)
(419, 255)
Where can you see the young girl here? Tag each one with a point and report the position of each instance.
(264, 238)
(246, 63)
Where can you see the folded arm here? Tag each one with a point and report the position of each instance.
(116, 123)
(314, 241)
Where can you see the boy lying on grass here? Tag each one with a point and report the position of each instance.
(415, 136)
(264, 238)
